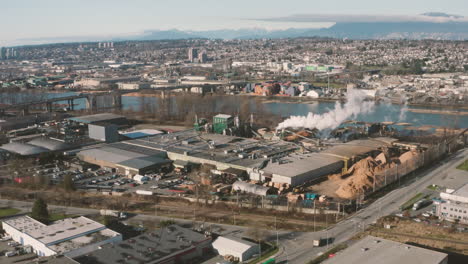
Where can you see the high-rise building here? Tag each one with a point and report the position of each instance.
(3, 51)
(8, 53)
(192, 54)
(202, 57)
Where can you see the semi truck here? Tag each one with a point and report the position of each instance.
(120, 215)
(322, 241)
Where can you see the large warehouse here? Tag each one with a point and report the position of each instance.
(36, 146)
(71, 237)
(371, 250)
(295, 169)
(127, 159)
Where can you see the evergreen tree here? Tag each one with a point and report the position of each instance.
(39, 211)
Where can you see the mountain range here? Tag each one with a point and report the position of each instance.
(453, 28)
(450, 30)
(350, 30)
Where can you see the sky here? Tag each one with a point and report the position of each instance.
(32, 19)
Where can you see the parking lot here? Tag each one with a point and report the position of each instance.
(102, 180)
(11, 246)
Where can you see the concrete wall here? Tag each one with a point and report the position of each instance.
(107, 133)
(24, 239)
(100, 163)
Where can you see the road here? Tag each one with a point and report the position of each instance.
(296, 247)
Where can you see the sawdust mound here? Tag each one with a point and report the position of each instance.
(296, 136)
(360, 177)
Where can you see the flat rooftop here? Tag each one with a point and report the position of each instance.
(240, 152)
(142, 133)
(359, 147)
(56, 232)
(150, 247)
(89, 119)
(297, 164)
(120, 152)
(371, 250)
(462, 191)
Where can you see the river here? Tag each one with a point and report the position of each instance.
(381, 112)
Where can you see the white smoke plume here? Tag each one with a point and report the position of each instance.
(354, 106)
(403, 110)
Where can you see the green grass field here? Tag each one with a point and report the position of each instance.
(8, 211)
(463, 166)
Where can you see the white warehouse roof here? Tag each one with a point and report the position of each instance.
(23, 148)
(48, 143)
(377, 250)
(233, 246)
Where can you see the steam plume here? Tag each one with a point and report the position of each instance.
(403, 110)
(354, 106)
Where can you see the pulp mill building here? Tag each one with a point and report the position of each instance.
(276, 161)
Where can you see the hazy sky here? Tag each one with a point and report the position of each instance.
(58, 18)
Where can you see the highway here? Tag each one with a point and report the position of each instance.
(296, 247)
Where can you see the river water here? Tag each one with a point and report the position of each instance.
(381, 112)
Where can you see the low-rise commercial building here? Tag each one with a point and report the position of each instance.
(71, 237)
(133, 86)
(371, 250)
(455, 205)
(169, 245)
(239, 248)
(93, 83)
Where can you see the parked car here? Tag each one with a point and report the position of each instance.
(13, 243)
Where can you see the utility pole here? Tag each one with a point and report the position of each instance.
(314, 215)
(327, 239)
(397, 175)
(276, 228)
(338, 212)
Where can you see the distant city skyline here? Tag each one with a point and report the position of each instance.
(27, 21)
